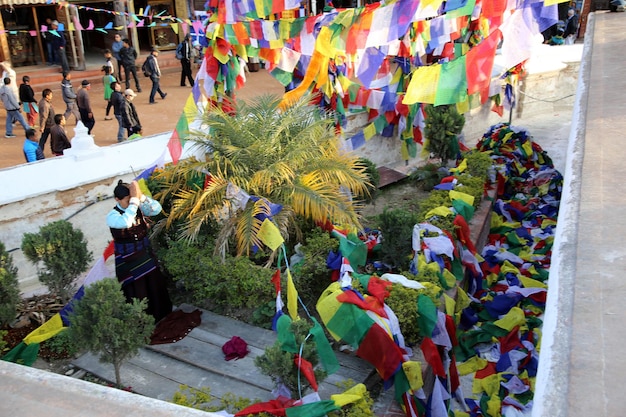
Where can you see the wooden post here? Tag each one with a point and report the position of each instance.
(37, 28)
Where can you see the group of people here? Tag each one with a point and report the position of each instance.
(37, 130)
(38, 117)
(563, 32)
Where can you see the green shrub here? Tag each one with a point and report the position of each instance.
(63, 252)
(62, 345)
(280, 367)
(436, 199)
(373, 178)
(311, 275)
(478, 164)
(396, 226)
(9, 287)
(442, 125)
(474, 186)
(201, 399)
(403, 302)
(103, 323)
(427, 176)
(3, 343)
(230, 284)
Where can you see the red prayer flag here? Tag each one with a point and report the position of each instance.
(175, 147)
(379, 349)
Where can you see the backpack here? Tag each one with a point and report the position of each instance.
(145, 69)
(179, 51)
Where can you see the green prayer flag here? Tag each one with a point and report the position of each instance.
(285, 336)
(23, 354)
(426, 315)
(324, 351)
(316, 409)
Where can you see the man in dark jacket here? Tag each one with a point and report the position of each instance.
(117, 99)
(58, 45)
(185, 61)
(130, 119)
(58, 136)
(84, 106)
(154, 72)
(128, 55)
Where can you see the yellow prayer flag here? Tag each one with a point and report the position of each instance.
(144, 187)
(551, 2)
(44, 332)
(531, 283)
(515, 317)
(461, 167)
(174, 27)
(413, 372)
(190, 109)
(423, 85)
(369, 131)
(439, 211)
(457, 195)
(292, 297)
(270, 235)
(448, 303)
(349, 396)
(471, 365)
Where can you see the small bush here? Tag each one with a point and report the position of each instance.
(478, 164)
(225, 285)
(373, 178)
(360, 408)
(403, 302)
(9, 287)
(62, 345)
(436, 199)
(428, 176)
(63, 252)
(397, 230)
(443, 124)
(311, 275)
(202, 399)
(279, 364)
(103, 323)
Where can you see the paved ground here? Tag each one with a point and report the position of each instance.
(155, 119)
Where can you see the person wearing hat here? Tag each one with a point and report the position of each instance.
(136, 266)
(154, 72)
(185, 60)
(130, 120)
(84, 106)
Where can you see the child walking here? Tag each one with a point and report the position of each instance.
(107, 79)
(29, 103)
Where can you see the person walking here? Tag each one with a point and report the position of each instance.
(106, 82)
(12, 106)
(154, 72)
(32, 151)
(7, 71)
(116, 46)
(136, 266)
(571, 27)
(108, 61)
(58, 136)
(69, 97)
(128, 55)
(186, 54)
(58, 45)
(117, 99)
(27, 97)
(84, 106)
(46, 116)
(130, 119)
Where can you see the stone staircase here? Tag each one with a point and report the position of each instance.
(197, 361)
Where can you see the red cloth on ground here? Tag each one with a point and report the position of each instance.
(175, 326)
(235, 348)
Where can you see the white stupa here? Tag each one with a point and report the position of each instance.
(83, 145)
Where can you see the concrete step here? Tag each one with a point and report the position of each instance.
(198, 361)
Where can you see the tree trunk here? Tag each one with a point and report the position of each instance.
(118, 380)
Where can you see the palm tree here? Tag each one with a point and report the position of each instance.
(284, 154)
